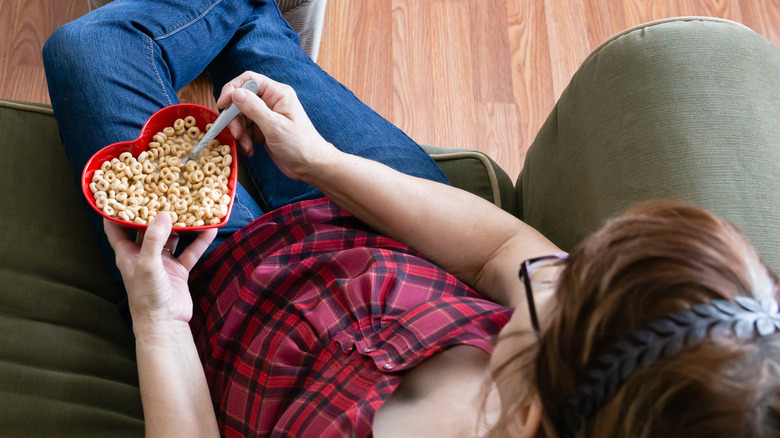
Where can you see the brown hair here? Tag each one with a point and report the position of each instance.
(657, 258)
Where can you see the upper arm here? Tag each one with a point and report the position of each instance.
(499, 277)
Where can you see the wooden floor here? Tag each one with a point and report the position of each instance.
(478, 74)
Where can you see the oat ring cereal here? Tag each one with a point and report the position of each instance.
(136, 189)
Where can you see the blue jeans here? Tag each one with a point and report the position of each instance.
(109, 70)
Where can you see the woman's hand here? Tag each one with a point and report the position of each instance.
(156, 282)
(276, 117)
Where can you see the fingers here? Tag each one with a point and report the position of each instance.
(156, 236)
(120, 242)
(243, 136)
(192, 254)
(255, 109)
(227, 90)
(246, 134)
(117, 236)
(139, 238)
(257, 134)
(171, 243)
(274, 104)
(247, 146)
(271, 91)
(237, 127)
(156, 239)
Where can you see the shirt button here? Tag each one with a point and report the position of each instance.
(367, 350)
(388, 366)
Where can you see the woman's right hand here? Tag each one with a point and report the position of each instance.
(276, 117)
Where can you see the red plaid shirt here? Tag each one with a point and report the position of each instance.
(306, 321)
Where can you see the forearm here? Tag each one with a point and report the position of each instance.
(174, 391)
(457, 230)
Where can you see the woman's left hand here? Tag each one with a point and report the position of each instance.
(156, 281)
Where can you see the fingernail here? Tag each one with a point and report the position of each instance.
(239, 95)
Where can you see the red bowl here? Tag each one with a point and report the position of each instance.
(159, 120)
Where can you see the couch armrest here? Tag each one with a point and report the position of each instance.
(477, 173)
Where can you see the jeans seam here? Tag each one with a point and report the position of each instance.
(189, 22)
(156, 72)
(248, 212)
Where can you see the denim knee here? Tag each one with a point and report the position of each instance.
(63, 48)
(80, 48)
(88, 45)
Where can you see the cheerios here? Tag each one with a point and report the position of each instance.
(136, 189)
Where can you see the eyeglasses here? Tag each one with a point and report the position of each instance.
(539, 272)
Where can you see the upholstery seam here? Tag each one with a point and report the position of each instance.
(185, 25)
(488, 167)
(655, 23)
(26, 106)
(156, 72)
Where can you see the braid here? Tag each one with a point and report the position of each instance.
(745, 318)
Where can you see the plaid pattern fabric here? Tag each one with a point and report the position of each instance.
(306, 321)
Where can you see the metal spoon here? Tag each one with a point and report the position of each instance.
(222, 121)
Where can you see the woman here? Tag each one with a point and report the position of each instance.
(308, 322)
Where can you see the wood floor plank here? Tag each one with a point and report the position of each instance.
(24, 28)
(490, 52)
(413, 105)
(531, 75)
(6, 29)
(497, 126)
(604, 18)
(567, 32)
(451, 69)
(768, 20)
(751, 16)
(364, 65)
(198, 91)
(29, 82)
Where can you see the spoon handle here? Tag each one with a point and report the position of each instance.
(222, 121)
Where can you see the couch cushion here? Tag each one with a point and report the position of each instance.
(67, 365)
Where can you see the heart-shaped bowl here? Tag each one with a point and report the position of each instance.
(159, 120)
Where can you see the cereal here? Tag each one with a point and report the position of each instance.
(136, 189)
